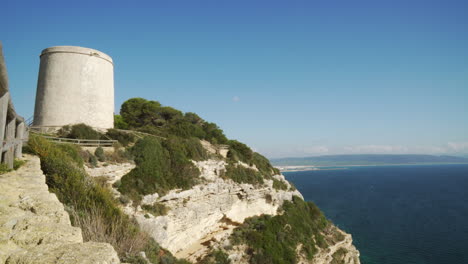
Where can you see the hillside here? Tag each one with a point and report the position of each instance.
(368, 159)
(176, 190)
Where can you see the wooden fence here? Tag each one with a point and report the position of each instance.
(12, 126)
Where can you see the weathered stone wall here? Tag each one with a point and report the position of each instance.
(35, 228)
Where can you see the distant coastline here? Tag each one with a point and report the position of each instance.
(344, 167)
(309, 168)
(334, 162)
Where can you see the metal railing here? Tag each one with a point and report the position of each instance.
(83, 142)
(138, 134)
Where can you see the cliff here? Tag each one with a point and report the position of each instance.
(202, 219)
(35, 228)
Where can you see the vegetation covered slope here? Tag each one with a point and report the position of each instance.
(92, 206)
(275, 239)
(164, 162)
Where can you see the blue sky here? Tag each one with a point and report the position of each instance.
(289, 78)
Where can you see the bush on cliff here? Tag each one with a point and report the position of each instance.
(186, 129)
(241, 174)
(241, 152)
(274, 239)
(151, 117)
(91, 206)
(79, 131)
(100, 155)
(162, 165)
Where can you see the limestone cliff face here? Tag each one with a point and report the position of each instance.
(35, 228)
(208, 212)
(205, 216)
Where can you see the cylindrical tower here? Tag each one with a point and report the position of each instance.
(75, 85)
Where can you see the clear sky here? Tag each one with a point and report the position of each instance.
(289, 78)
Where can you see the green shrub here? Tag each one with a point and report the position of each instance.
(73, 151)
(18, 163)
(241, 174)
(214, 134)
(119, 122)
(4, 168)
(274, 239)
(191, 148)
(64, 131)
(183, 128)
(124, 138)
(100, 155)
(88, 158)
(240, 152)
(93, 161)
(81, 131)
(264, 165)
(279, 185)
(160, 167)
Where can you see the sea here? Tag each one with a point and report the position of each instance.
(414, 214)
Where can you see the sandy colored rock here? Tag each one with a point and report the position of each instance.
(34, 226)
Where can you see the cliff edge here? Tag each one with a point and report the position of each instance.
(202, 219)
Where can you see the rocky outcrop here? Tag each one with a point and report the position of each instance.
(35, 228)
(340, 249)
(204, 216)
(207, 213)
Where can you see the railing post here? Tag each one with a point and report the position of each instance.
(20, 131)
(3, 117)
(9, 155)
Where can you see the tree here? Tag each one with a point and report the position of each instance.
(119, 122)
(137, 112)
(213, 132)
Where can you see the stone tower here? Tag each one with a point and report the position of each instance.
(75, 85)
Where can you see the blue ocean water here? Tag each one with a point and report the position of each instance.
(396, 214)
